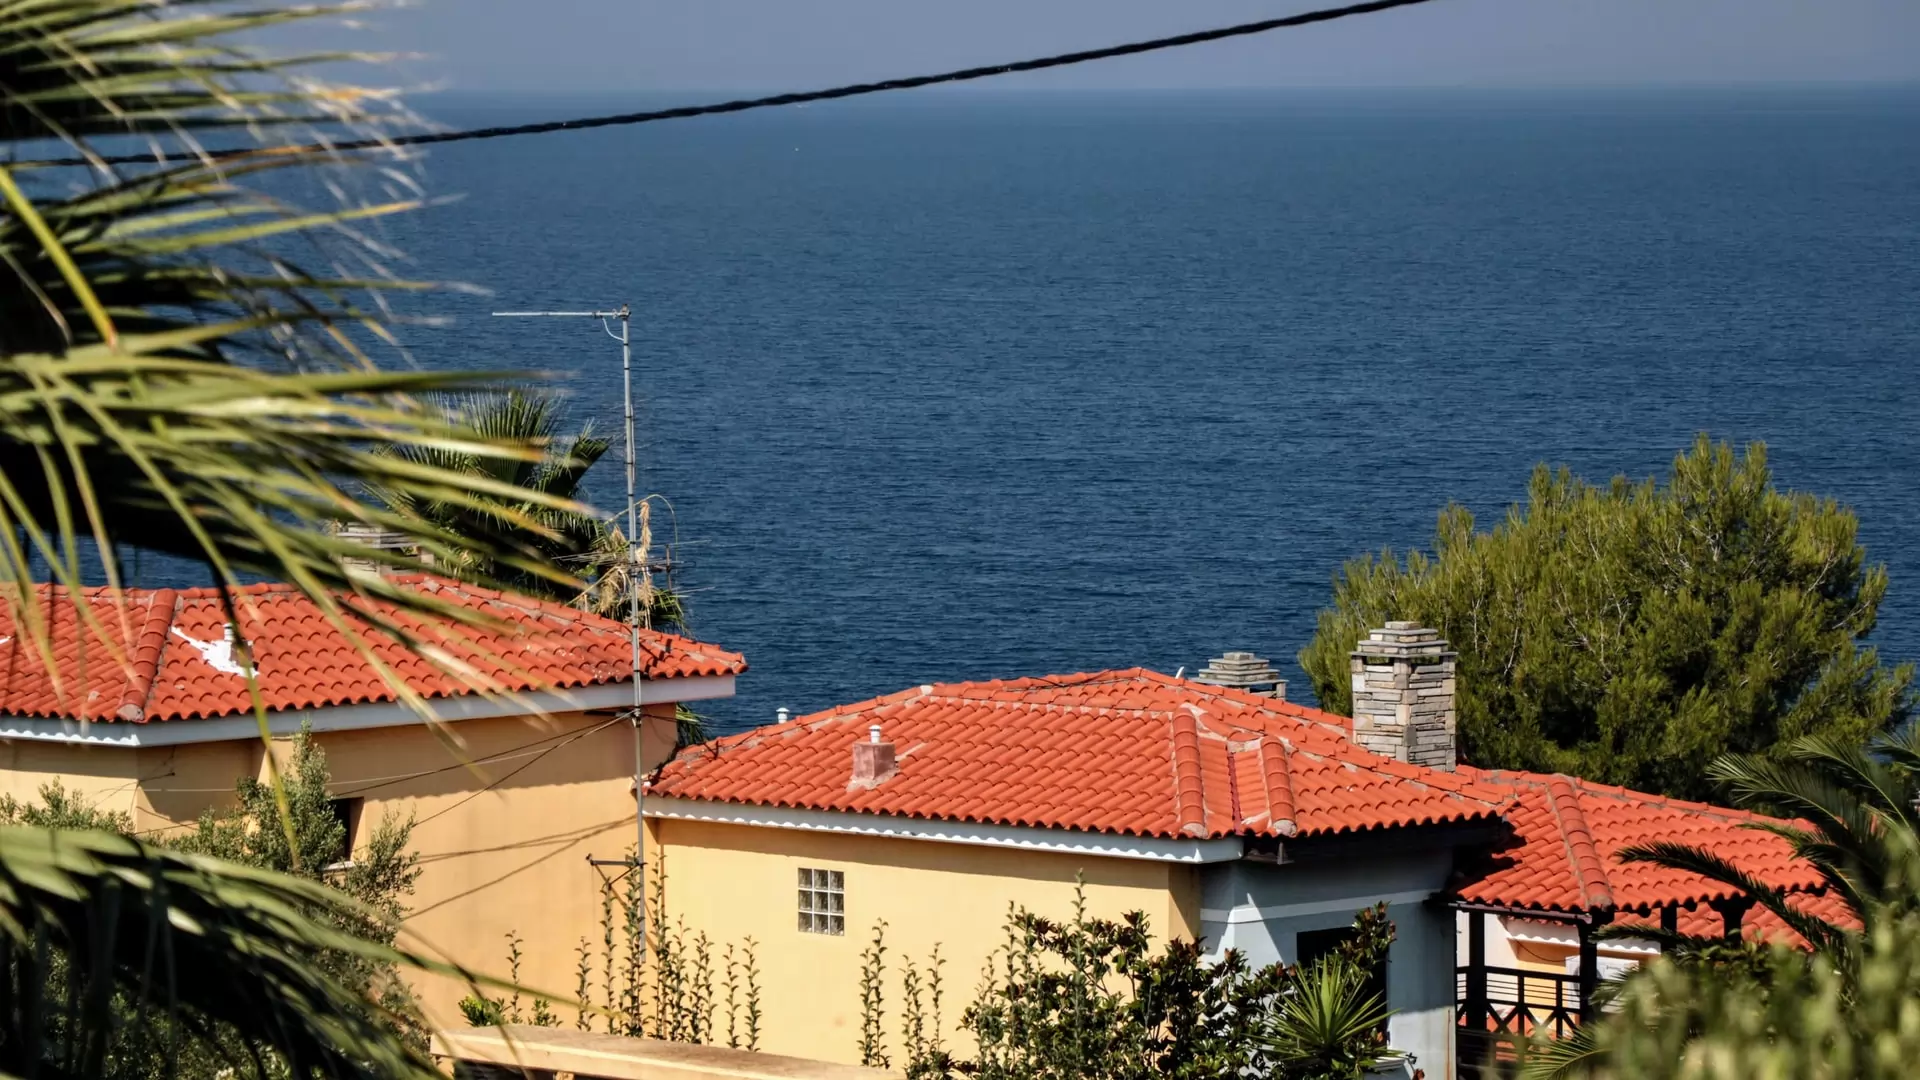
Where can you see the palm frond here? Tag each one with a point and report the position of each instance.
(195, 951)
(186, 357)
(1791, 792)
(1848, 765)
(1676, 856)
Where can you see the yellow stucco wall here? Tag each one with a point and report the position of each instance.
(109, 782)
(507, 857)
(734, 881)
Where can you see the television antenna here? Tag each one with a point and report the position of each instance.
(624, 315)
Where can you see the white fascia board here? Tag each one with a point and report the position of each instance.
(892, 826)
(1249, 913)
(1536, 932)
(383, 714)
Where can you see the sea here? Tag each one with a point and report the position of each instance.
(992, 384)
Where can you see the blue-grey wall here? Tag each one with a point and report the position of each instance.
(1261, 908)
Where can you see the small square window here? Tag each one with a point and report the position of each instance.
(823, 900)
(347, 813)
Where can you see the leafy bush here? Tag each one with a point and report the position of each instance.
(1091, 998)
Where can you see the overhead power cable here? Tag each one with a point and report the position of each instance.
(682, 112)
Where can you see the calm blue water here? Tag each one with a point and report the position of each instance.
(1002, 385)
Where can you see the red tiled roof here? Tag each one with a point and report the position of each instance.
(170, 659)
(1569, 832)
(1759, 924)
(1131, 752)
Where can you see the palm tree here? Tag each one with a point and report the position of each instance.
(565, 536)
(186, 367)
(1848, 811)
(585, 546)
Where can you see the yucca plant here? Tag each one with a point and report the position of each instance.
(1328, 1025)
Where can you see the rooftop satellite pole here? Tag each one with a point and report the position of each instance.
(634, 567)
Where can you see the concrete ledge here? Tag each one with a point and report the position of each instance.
(519, 1049)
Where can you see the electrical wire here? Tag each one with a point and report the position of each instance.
(1198, 37)
(504, 777)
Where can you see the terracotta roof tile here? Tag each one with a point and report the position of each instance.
(163, 654)
(1568, 834)
(1132, 752)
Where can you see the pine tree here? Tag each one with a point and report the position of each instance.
(1630, 633)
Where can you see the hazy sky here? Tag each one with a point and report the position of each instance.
(638, 45)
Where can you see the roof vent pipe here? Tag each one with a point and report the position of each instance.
(780, 714)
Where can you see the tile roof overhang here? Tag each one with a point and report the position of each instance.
(162, 655)
(1563, 856)
(1129, 752)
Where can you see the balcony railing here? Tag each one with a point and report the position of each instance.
(1509, 1007)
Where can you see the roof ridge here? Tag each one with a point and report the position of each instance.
(144, 653)
(1190, 806)
(1563, 798)
(1277, 772)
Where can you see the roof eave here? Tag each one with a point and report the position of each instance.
(384, 714)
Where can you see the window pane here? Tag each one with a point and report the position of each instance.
(806, 878)
(836, 924)
(834, 900)
(806, 900)
(836, 880)
(806, 922)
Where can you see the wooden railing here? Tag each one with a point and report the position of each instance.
(1498, 1010)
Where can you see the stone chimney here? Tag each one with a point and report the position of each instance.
(1403, 695)
(1244, 671)
(873, 762)
(369, 536)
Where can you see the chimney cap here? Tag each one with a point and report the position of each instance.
(873, 733)
(1243, 671)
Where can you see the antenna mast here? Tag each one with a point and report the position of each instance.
(634, 569)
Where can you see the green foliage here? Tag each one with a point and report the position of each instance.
(1627, 632)
(480, 1010)
(1830, 1015)
(310, 841)
(1091, 998)
(654, 979)
(1850, 812)
(873, 969)
(59, 808)
(1843, 1007)
(254, 835)
(125, 959)
(922, 997)
(185, 351)
(1329, 1026)
(562, 535)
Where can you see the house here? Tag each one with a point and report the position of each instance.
(510, 796)
(1226, 815)
(1529, 906)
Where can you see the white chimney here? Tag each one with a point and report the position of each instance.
(1403, 695)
